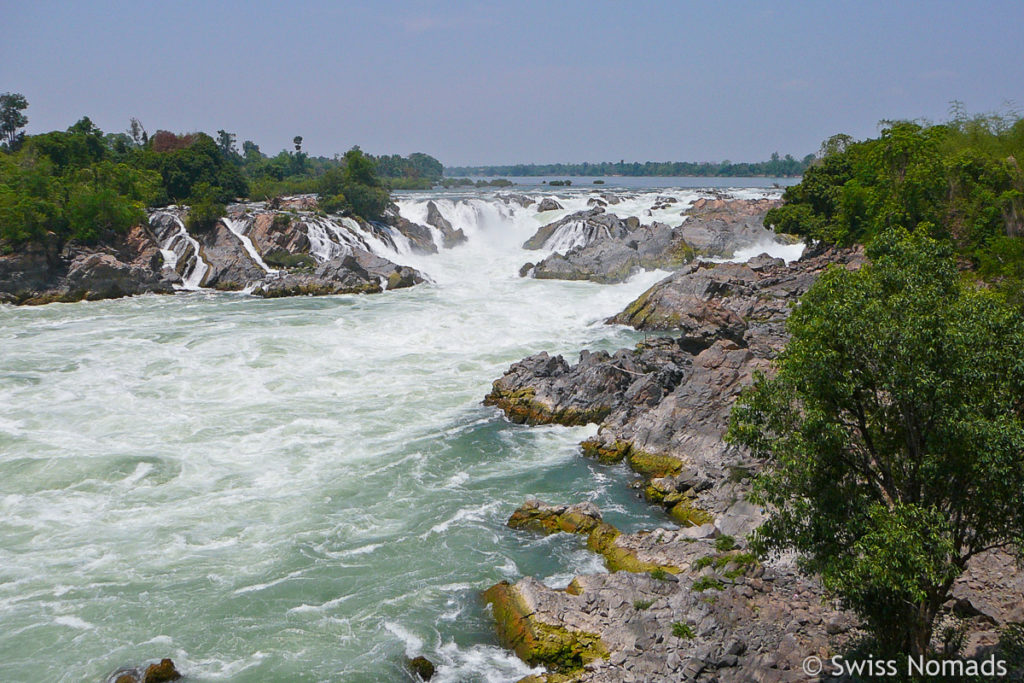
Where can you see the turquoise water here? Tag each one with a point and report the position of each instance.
(282, 490)
(303, 489)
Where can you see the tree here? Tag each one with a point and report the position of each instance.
(297, 141)
(12, 120)
(137, 132)
(892, 435)
(226, 143)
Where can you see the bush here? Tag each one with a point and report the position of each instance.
(684, 631)
(204, 211)
(892, 434)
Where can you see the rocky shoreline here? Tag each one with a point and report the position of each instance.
(687, 601)
(284, 248)
(599, 246)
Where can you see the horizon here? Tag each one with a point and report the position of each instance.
(487, 84)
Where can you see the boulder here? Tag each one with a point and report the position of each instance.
(548, 204)
(421, 667)
(581, 518)
(450, 236)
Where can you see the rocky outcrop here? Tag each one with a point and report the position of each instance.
(720, 227)
(127, 264)
(162, 672)
(356, 273)
(598, 246)
(722, 617)
(450, 237)
(662, 407)
(550, 519)
(265, 252)
(419, 236)
(745, 302)
(645, 247)
(580, 229)
(688, 602)
(421, 667)
(548, 204)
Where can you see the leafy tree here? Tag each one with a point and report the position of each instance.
(297, 141)
(251, 152)
(12, 118)
(205, 209)
(226, 143)
(892, 434)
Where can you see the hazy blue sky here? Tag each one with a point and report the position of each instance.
(503, 82)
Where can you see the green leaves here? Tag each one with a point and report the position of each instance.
(895, 410)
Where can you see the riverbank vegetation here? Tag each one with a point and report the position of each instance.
(959, 182)
(776, 167)
(87, 185)
(892, 431)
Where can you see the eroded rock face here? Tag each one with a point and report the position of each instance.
(357, 273)
(418, 235)
(719, 227)
(689, 603)
(548, 204)
(579, 229)
(738, 622)
(128, 264)
(599, 246)
(450, 236)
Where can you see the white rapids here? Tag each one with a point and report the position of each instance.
(304, 488)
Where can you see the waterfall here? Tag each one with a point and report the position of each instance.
(176, 245)
(239, 227)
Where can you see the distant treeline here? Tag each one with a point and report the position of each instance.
(89, 185)
(776, 167)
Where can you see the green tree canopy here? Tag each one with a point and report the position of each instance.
(892, 434)
(12, 118)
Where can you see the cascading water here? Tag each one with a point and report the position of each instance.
(575, 234)
(239, 228)
(179, 243)
(296, 488)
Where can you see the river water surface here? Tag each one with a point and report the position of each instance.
(292, 489)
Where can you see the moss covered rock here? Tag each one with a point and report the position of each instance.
(534, 515)
(537, 642)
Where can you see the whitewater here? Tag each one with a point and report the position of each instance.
(303, 488)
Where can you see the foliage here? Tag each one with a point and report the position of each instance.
(725, 543)
(187, 162)
(958, 181)
(892, 434)
(85, 203)
(354, 187)
(777, 167)
(205, 209)
(706, 583)
(681, 630)
(12, 120)
(642, 604)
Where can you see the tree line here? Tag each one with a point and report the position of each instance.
(88, 185)
(776, 167)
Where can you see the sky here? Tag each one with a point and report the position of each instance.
(513, 81)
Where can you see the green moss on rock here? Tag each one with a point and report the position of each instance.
(521, 406)
(536, 642)
(653, 465)
(688, 514)
(608, 454)
(602, 541)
